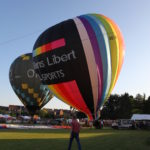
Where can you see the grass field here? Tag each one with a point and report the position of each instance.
(91, 139)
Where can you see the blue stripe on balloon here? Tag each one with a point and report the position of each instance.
(96, 51)
(108, 55)
(104, 51)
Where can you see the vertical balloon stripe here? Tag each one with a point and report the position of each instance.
(121, 45)
(104, 51)
(107, 54)
(75, 101)
(68, 96)
(89, 58)
(66, 88)
(55, 90)
(73, 93)
(114, 50)
(96, 51)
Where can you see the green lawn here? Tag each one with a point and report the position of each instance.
(91, 139)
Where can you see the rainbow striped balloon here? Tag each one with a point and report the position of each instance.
(80, 60)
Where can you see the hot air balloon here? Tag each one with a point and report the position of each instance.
(27, 84)
(80, 60)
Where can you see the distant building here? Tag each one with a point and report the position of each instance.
(16, 109)
(4, 109)
(56, 112)
(62, 113)
(50, 111)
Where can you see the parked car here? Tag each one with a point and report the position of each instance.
(122, 124)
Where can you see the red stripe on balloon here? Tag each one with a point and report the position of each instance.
(71, 93)
(53, 45)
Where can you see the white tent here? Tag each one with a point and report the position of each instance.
(140, 117)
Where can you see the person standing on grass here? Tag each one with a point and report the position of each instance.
(75, 129)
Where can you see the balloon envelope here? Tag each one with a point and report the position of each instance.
(80, 60)
(27, 84)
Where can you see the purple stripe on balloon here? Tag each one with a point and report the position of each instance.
(95, 47)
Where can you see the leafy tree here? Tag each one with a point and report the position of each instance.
(122, 107)
(110, 109)
(125, 106)
(138, 104)
(146, 107)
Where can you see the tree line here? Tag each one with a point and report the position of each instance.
(124, 106)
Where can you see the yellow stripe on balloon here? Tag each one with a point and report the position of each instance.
(114, 47)
(38, 50)
(121, 46)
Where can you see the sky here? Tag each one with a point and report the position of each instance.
(21, 22)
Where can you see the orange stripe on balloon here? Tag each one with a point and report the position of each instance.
(55, 89)
(121, 46)
(73, 92)
(50, 46)
(63, 91)
(69, 93)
